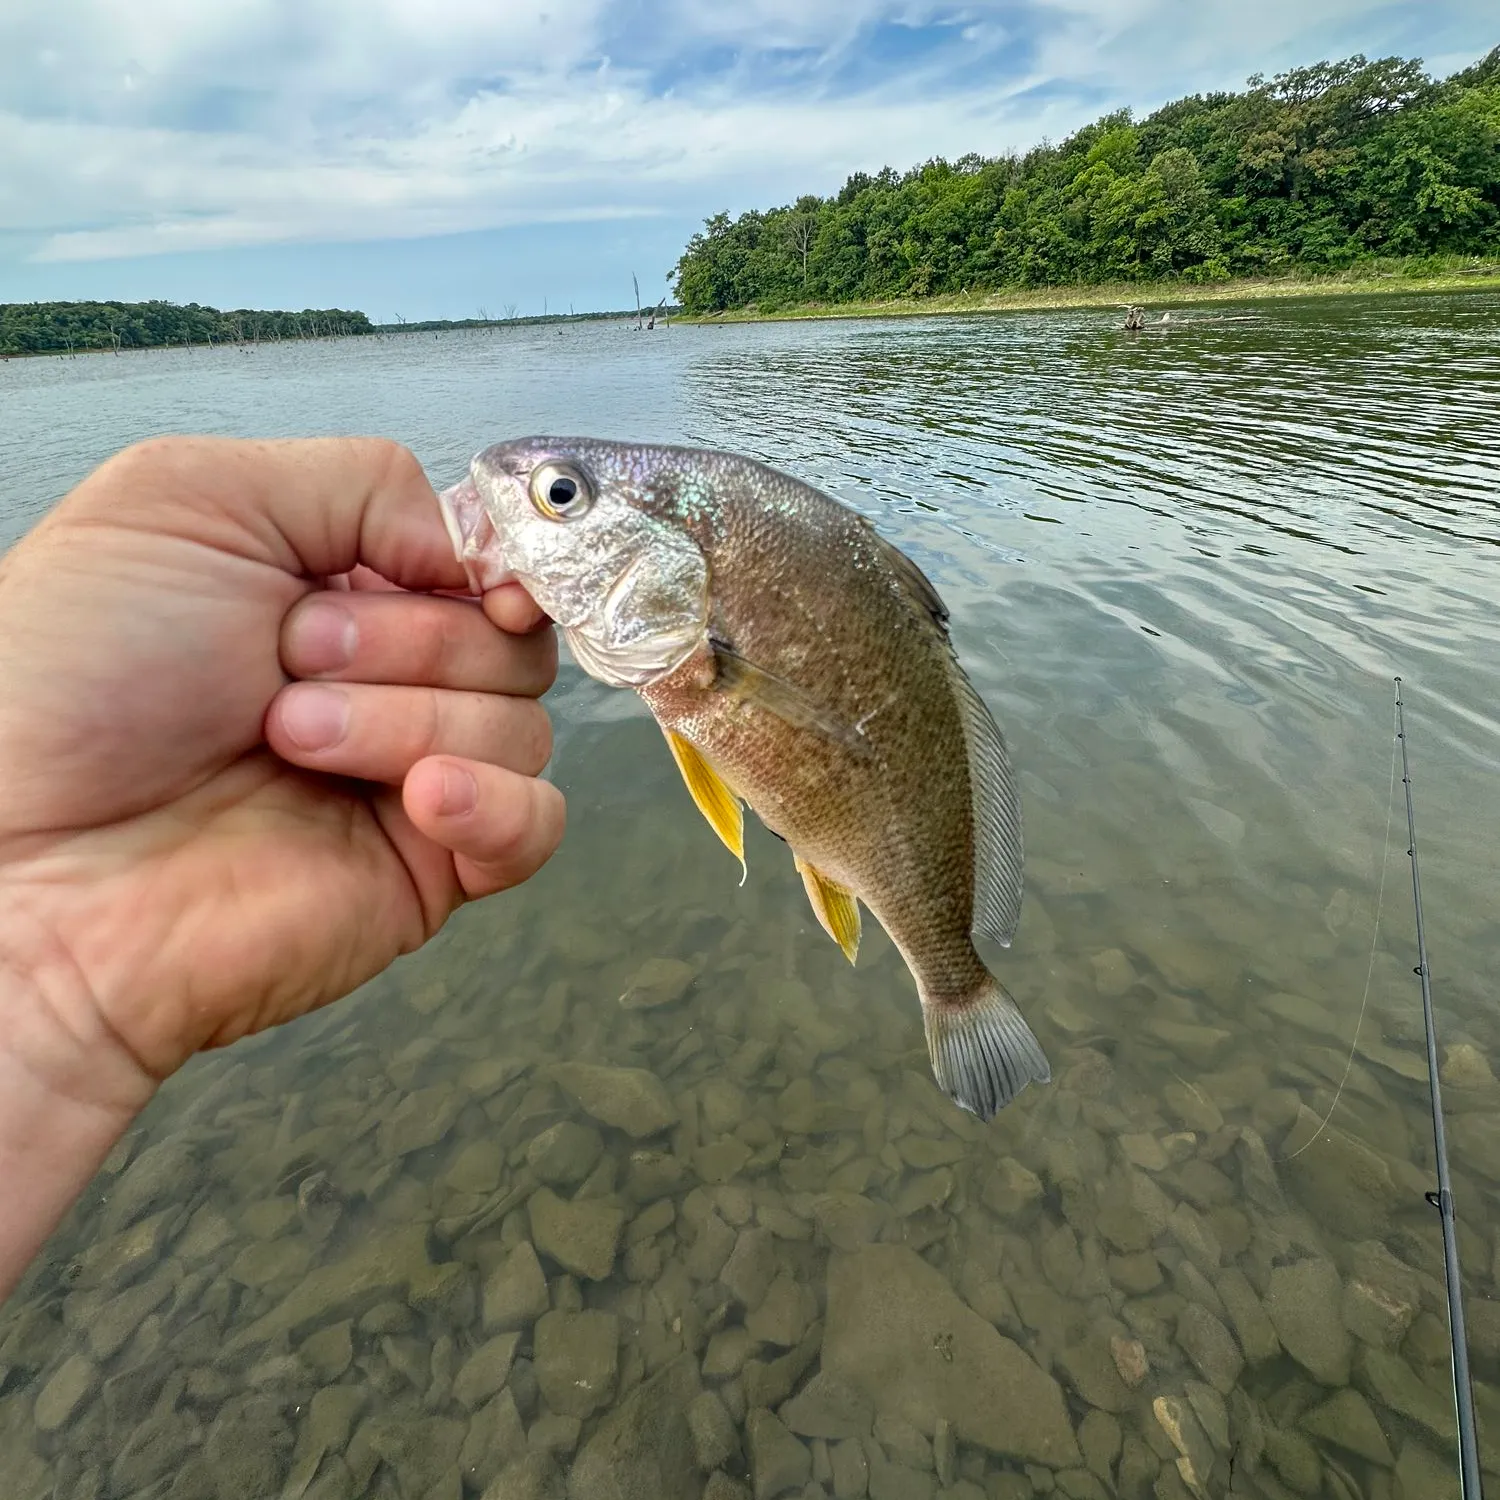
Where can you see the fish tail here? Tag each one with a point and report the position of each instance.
(983, 1052)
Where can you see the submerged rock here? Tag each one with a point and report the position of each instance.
(781, 1318)
(898, 1333)
(851, 1469)
(1376, 1314)
(849, 1220)
(565, 1153)
(1196, 1455)
(750, 1268)
(658, 982)
(778, 1462)
(1295, 1460)
(515, 1295)
(1422, 1475)
(1341, 1182)
(577, 1360)
(1303, 1301)
(721, 1487)
(1346, 1420)
(1010, 1188)
(1100, 1436)
(726, 1353)
(477, 1168)
(485, 1371)
(534, 1477)
(581, 1235)
(1211, 1347)
(125, 1257)
(1466, 1067)
(72, 1381)
(1395, 1385)
(630, 1099)
(1092, 1373)
(162, 1176)
(827, 1408)
(643, 1449)
(714, 1438)
(1256, 1334)
(382, 1268)
(1130, 1360)
(420, 1120)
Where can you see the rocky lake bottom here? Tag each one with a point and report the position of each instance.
(738, 1244)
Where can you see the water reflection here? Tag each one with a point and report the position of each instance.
(628, 1180)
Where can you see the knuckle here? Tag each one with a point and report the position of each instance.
(147, 456)
(546, 658)
(525, 829)
(430, 644)
(396, 464)
(510, 831)
(429, 723)
(535, 736)
(451, 643)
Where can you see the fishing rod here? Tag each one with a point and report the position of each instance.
(1442, 1200)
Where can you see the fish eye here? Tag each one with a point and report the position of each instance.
(560, 491)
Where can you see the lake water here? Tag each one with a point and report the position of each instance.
(420, 1246)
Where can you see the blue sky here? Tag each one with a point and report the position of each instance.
(430, 157)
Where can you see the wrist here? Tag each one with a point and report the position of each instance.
(68, 1090)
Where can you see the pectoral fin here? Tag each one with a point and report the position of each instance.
(834, 906)
(715, 800)
(743, 679)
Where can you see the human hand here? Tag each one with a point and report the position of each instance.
(181, 864)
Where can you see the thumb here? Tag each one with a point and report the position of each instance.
(313, 507)
(501, 827)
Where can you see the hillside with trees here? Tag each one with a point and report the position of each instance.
(1314, 170)
(70, 327)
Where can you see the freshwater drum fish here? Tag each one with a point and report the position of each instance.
(798, 662)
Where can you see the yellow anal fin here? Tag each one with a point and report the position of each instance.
(713, 796)
(834, 906)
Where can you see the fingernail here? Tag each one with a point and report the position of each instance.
(315, 718)
(324, 636)
(459, 792)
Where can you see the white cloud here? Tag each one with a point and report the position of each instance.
(169, 125)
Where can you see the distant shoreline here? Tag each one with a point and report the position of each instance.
(190, 346)
(234, 334)
(1154, 294)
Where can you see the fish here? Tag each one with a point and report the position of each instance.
(799, 663)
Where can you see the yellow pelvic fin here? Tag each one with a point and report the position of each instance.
(715, 800)
(834, 906)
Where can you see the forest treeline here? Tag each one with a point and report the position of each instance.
(66, 327)
(1315, 169)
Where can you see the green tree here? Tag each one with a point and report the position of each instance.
(1318, 166)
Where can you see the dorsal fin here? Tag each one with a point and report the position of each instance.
(997, 817)
(917, 582)
(996, 802)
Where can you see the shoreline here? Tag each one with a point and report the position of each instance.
(1154, 294)
(375, 331)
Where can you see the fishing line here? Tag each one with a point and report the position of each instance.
(1385, 858)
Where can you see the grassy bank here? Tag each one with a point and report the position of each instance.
(1150, 294)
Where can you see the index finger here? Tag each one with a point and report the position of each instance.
(508, 606)
(313, 507)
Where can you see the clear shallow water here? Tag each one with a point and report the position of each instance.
(1183, 568)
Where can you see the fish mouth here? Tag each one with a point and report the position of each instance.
(476, 543)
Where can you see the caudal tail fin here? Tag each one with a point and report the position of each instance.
(983, 1052)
